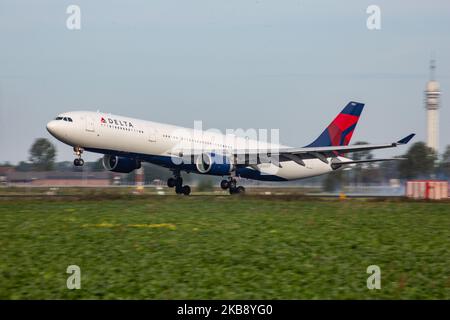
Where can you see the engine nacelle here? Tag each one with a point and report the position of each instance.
(120, 164)
(214, 164)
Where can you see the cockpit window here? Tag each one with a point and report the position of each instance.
(64, 119)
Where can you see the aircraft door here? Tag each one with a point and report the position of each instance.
(152, 137)
(90, 124)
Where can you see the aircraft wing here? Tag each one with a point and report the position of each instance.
(367, 160)
(275, 156)
(298, 154)
(342, 149)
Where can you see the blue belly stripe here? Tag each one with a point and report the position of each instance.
(166, 161)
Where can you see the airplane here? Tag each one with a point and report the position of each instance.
(127, 142)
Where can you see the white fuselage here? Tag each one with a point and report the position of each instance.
(152, 141)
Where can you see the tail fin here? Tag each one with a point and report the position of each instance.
(340, 131)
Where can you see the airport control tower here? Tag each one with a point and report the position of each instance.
(432, 94)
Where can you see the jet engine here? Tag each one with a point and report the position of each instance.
(214, 164)
(120, 164)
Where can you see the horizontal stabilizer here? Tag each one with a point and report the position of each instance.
(337, 164)
(368, 160)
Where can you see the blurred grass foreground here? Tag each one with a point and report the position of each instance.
(223, 247)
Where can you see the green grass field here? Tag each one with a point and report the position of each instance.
(224, 247)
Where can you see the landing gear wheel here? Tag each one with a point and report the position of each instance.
(171, 182)
(237, 190)
(176, 182)
(186, 190)
(240, 189)
(78, 162)
(230, 184)
(224, 184)
(178, 185)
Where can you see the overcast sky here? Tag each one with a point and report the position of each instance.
(290, 65)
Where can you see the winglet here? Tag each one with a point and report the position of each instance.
(406, 139)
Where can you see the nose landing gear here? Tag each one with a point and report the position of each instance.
(231, 185)
(78, 162)
(177, 183)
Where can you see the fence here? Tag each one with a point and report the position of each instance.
(427, 189)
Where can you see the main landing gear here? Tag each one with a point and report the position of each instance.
(78, 162)
(231, 185)
(177, 183)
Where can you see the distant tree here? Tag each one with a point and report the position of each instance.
(23, 166)
(42, 154)
(205, 185)
(333, 181)
(444, 166)
(419, 162)
(63, 166)
(153, 172)
(362, 173)
(97, 165)
(361, 155)
(388, 170)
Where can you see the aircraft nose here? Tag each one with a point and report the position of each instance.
(51, 126)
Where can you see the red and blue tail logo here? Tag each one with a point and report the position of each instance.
(340, 131)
